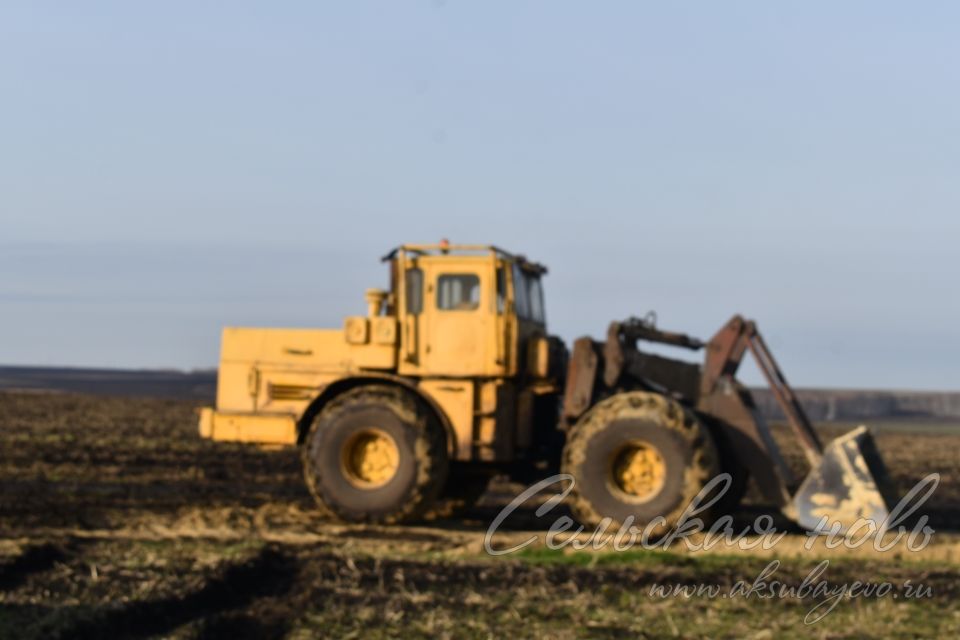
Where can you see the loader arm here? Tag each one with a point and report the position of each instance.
(847, 481)
(715, 392)
(725, 353)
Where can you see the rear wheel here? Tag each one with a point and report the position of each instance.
(375, 454)
(638, 455)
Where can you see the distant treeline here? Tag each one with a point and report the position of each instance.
(834, 404)
(200, 385)
(821, 404)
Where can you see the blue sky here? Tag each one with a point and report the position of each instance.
(171, 168)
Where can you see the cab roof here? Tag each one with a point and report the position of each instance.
(444, 248)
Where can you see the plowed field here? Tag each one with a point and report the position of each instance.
(117, 521)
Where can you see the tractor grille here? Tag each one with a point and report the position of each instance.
(291, 392)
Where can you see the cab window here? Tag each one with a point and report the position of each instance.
(521, 299)
(501, 290)
(458, 292)
(414, 289)
(535, 290)
(529, 295)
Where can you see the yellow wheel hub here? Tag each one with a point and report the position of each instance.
(639, 470)
(370, 458)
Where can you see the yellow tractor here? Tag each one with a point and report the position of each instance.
(451, 378)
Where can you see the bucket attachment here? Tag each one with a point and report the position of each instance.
(849, 486)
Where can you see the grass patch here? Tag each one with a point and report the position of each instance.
(629, 557)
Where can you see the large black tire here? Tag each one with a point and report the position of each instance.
(662, 430)
(418, 457)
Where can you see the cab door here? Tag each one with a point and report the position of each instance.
(458, 325)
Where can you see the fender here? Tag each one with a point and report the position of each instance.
(341, 385)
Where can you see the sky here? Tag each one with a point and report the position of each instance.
(171, 168)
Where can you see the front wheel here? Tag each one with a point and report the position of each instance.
(635, 457)
(376, 455)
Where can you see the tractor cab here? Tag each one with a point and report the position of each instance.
(464, 310)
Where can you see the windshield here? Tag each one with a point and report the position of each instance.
(528, 293)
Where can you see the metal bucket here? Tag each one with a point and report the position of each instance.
(848, 489)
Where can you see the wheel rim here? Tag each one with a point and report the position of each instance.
(638, 470)
(370, 458)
